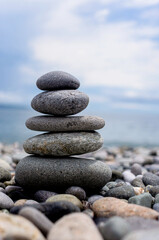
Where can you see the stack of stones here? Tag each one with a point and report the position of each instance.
(52, 166)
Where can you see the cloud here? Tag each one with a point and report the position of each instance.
(10, 98)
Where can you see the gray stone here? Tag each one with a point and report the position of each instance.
(94, 198)
(114, 229)
(136, 169)
(77, 191)
(111, 185)
(37, 218)
(139, 223)
(31, 202)
(137, 182)
(61, 103)
(157, 198)
(63, 144)
(65, 124)
(154, 190)
(122, 192)
(150, 179)
(4, 175)
(5, 201)
(143, 234)
(156, 207)
(57, 80)
(144, 199)
(43, 195)
(55, 173)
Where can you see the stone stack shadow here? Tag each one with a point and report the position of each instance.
(51, 165)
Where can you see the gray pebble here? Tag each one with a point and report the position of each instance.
(60, 103)
(156, 207)
(65, 124)
(138, 223)
(123, 192)
(157, 198)
(5, 201)
(150, 179)
(77, 191)
(94, 198)
(143, 234)
(57, 80)
(37, 218)
(154, 190)
(43, 195)
(4, 175)
(51, 173)
(111, 185)
(137, 182)
(136, 169)
(144, 199)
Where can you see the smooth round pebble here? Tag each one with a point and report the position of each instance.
(63, 144)
(144, 199)
(77, 192)
(56, 80)
(43, 195)
(4, 175)
(94, 198)
(5, 201)
(150, 179)
(60, 103)
(136, 169)
(122, 192)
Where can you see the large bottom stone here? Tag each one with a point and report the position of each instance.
(55, 173)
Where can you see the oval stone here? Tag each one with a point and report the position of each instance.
(61, 103)
(55, 173)
(65, 124)
(63, 144)
(57, 80)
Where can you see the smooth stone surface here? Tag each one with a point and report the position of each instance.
(77, 192)
(4, 175)
(156, 207)
(107, 207)
(138, 223)
(63, 144)
(144, 199)
(65, 124)
(128, 176)
(76, 226)
(154, 190)
(53, 211)
(5, 201)
(62, 173)
(157, 198)
(143, 235)
(137, 182)
(43, 195)
(136, 169)
(150, 179)
(56, 80)
(60, 103)
(66, 197)
(16, 227)
(5, 165)
(37, 218)
(114, 229)
(94, 198)
(122, 192)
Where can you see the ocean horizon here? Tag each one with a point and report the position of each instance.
(123, 128)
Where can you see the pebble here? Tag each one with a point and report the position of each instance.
(43, 195)
(154, 190)
(16, 227)
(137, 182)
(77, 192)
(63, 144)
(144, 199)
(138, 190)
(37, 218)
(94, 198)
(5, 201)
(156, 207)
(57, 80)
(30, 202)
(76, 226)
(157, 198)
(122, 192)
(138, 223)
(60, 103)
(65, 124)
(111, 184)
(136, 169)
(4, 175)
(143, 234)
(114, 229)
(5, 165)
(53, 211)
(150, 179)
(20, 202)
(66, 197)
(107, 207)
(85, 173)
(89, 212)
(128, 176)
(104, 191)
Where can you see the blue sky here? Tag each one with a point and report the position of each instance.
(111, 46)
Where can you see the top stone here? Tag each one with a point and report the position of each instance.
(57, 80)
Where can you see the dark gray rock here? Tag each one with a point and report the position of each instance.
(43, 195)
(136, 169)
(63, 144)
(4, 175)
(65, 124)
(154, 190)
(54, 173)
(53, 211)
(5, 201)
(60, 103)
(104, 191)
(57, 80)
(77, 192)
(114, 229)
(137, 182)
(123, 192)
(94, 198)
(144, 199)
(150, 179)
(143, 234)
(111, 185)
(37, 218)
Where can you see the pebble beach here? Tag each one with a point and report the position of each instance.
(63, 184)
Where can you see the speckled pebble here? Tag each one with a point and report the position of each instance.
(77, 192)
(43, 195)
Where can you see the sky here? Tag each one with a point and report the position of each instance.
(111, 46)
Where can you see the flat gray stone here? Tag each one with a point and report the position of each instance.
(61, 103)
(65, 124)
(57, 80)
(122, 192)
(144, 199)
(150, 179)
(54, 173)
(63, 144)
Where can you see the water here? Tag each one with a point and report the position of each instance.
(122, 128)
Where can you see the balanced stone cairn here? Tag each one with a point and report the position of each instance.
(50, 166)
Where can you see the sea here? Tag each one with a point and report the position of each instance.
(123, 128)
